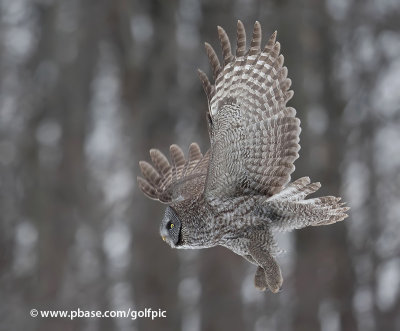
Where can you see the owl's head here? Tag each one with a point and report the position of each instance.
(170, 229)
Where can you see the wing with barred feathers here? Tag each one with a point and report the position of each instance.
(254, 136)
(180, 180)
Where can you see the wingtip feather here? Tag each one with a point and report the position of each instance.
(147, 188)
(240, 39)
(213, 59)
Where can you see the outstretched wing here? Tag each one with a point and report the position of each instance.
(177, 181)
(254, 136)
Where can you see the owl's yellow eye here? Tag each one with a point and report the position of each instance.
(171, 226)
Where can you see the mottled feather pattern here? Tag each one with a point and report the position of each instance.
(289, 209)
(239, 191)
(250, 120)
(179, 180)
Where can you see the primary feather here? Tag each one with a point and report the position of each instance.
(182, 179)
(254, 136)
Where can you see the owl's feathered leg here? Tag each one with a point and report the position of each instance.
(260, 280)
(267, 266)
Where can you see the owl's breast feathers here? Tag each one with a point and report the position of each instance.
(213, 222)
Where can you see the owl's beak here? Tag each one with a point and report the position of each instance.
(163, 238)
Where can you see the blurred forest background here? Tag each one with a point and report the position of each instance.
(87, 87)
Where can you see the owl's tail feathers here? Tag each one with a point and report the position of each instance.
(289, 209)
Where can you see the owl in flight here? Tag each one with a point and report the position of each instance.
(239, 192)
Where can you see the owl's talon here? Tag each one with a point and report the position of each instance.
(261, 288)
(275, 289)
(277, 285)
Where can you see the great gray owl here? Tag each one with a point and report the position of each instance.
(238, 192)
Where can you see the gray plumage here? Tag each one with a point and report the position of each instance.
(238, 192)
